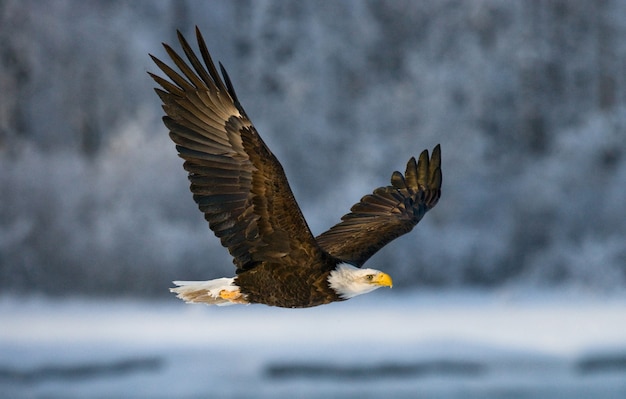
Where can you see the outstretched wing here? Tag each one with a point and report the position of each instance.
(387, 213)
(236, 181)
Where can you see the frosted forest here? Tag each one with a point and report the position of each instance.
(526, 98)
(511, 287)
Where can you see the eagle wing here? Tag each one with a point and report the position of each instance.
(387, 213)
(236, 181)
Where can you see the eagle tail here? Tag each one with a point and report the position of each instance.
(221, 292)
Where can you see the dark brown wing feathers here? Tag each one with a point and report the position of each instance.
(242, 189)
(387, 213)
(236, 181)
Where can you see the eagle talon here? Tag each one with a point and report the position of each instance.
(232, 296)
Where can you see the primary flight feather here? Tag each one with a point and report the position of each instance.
(243, 192)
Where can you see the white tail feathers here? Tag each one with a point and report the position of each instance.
(221, 291)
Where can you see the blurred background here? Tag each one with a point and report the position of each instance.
(527, 99)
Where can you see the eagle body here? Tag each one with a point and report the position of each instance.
(241, 188)
(288, 287)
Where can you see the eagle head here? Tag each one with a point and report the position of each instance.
(349, 281)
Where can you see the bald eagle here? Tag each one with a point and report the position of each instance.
(243, 192)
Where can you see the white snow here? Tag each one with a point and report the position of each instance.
(535, 345)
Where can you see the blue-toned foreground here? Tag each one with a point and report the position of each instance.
(401, 345)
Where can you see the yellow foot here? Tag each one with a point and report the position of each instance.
(232, 296)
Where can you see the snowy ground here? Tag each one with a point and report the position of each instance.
(385, 345)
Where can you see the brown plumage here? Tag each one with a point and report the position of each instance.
(243, 192)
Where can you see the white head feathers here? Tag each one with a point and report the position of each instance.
(349, 281)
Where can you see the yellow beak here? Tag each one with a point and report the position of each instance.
(383, 279)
